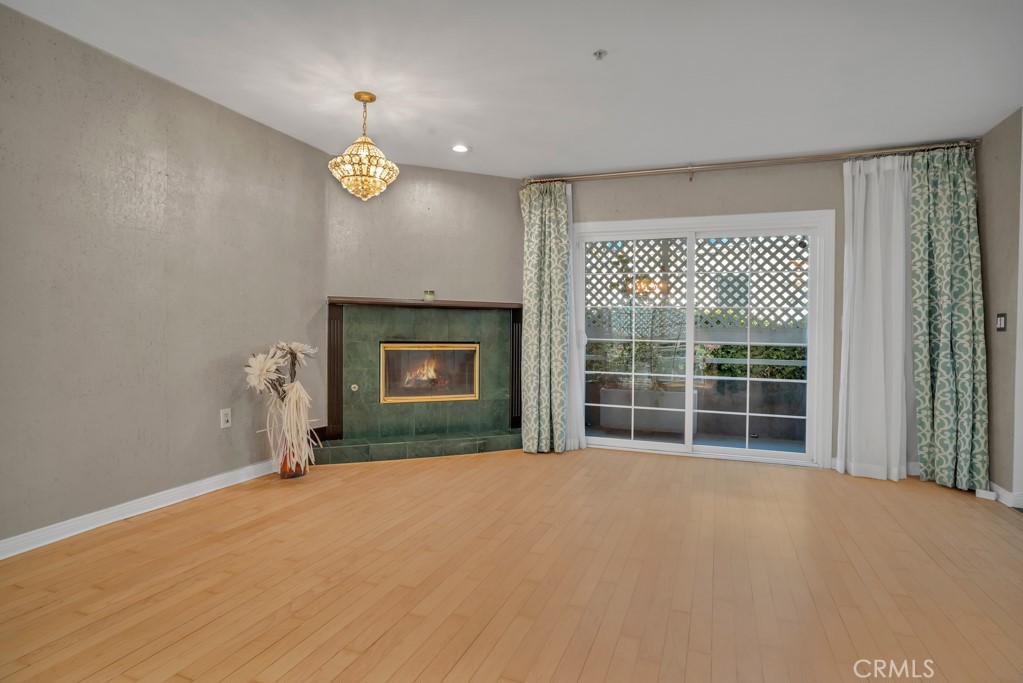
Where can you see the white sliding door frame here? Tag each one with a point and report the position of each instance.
(819, 227)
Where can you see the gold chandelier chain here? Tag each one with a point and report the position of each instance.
(363, 118)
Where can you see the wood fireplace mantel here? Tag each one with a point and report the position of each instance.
(419, 303)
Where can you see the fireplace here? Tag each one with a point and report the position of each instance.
(416, 372)
(362, 409)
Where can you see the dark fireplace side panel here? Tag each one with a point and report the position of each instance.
(335, 371)
(515, 419)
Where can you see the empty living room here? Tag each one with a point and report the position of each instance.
(479, 342)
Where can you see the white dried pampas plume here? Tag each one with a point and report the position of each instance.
(261, 369)
(297, 350)
(287, 426)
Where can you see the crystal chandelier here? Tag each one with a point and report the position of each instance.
(363, 169)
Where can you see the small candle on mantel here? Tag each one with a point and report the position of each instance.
(429, 295)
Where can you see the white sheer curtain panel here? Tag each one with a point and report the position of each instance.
(872, 421)
(576, 349)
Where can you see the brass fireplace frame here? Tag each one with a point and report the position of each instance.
(404, 346)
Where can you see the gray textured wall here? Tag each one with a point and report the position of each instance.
(801, 187)
(998, 177)
(459, 234)
(149, 241)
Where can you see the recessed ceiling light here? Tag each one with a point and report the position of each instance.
(460, 148)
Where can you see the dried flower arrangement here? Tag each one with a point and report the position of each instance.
(287, 415)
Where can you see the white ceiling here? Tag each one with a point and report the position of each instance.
(684, 81)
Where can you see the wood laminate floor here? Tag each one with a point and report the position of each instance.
(589, 566)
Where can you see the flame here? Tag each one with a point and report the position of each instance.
(427, 372)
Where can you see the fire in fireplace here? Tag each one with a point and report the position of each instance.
(412, 372)
(425, 376)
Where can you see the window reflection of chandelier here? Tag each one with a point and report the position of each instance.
(650, 285)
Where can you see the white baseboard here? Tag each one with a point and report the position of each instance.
(1013, 500)
(55, 532)
(912, 468)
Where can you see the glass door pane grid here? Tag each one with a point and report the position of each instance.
(743, 379)
(724, 342)
(728, 412)
(645, 279)
(632, 384)
(734, 293)
(749, 298)
(690, 340)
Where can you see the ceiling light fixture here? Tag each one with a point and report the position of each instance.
(363, 169)
(460, 148)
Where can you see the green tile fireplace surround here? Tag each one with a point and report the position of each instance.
(372, 430)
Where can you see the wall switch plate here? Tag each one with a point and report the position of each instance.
(1000, 322)
(225, 418)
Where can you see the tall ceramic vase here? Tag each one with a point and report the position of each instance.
(290, 471)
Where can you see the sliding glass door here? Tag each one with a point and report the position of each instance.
(702, 341)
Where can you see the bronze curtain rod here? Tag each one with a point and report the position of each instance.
(756, 163)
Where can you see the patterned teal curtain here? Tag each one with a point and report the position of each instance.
(950, 362)
(545, 318)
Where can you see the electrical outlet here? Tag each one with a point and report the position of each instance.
(225, 418)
